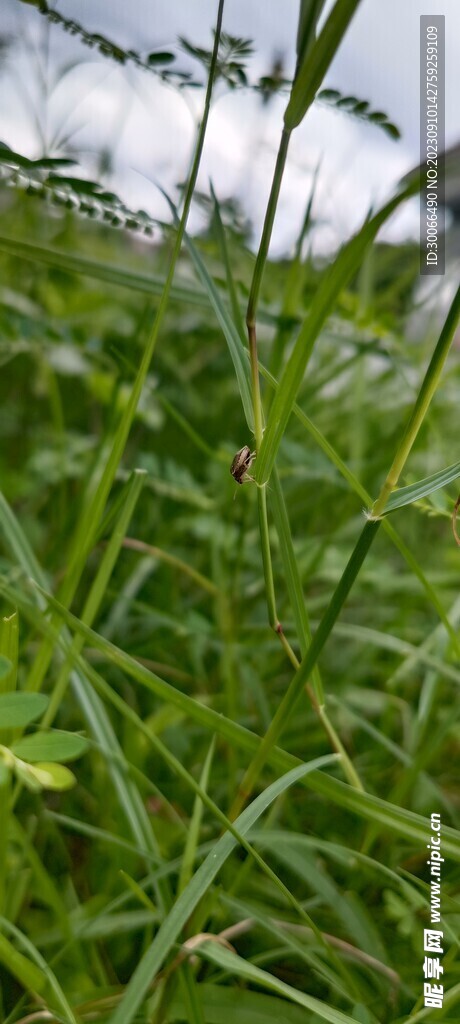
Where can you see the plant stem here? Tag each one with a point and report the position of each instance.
(266, 559)
(289, 701)
(89, 521)
(259, 268)
(419, 411)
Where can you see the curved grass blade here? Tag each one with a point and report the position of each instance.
(223, 1003)
(234, 964)
(389, 816)
(357, 486)
(335, 278)
(169, 931)
(415, 492)
(231, 334)
(97, 718)
(314, 60)
(33, 972)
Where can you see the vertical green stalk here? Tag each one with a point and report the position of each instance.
(5, 813)
(420, 409)
(97, 591)
(9, 636)
(307, 79)
(266, 559)
(289, 701)
(313, 687)
(257, 281)
(89, 521)
(261, 259)
(255, 377)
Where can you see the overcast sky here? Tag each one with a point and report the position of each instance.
(150, 127)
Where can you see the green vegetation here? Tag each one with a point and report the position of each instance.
(255, 685)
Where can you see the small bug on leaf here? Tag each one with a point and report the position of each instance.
(241, 463)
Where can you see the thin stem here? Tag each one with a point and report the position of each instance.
(89, 521)
(420, 409)
(259, 268)
(289, 701)
(177, 563)
(261, 258)
(251, 314)
(295, 688)
(267, 560)
(320, 709)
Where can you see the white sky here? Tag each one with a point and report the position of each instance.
(151, 127)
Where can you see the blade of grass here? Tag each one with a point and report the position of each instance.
(230, 331)
(414, 492)
(169, 931)
(95, 713)
(388, 816)
(233, 964)
(32, 971)
(106, 692)
(93, 511)
(293, 290)
(122, 277)
(98, 588)
(291, 571)
(289, 701)
(223, 1003)
(335, 278)
(361, 491)
(314, 59)
(231, 287)
(193, 833)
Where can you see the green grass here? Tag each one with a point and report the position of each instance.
(255, 686)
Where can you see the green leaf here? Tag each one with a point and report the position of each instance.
(50, 746)
(148, 284)
(18, 709)
(9, 632)
(387, 815)
(5, 667)
(160, 57)
(32, 971)
(224, 1003)
(184, 906)
(315, 61)
(334, 279)
(391, 129)
(414, 492)
(234, 964)
(193, 833)
(330, 95)
(232, 337)
(52, 776)
(27, 973)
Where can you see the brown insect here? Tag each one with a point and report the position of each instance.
(241, 463)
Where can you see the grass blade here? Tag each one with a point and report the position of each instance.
(388, 816)
(334, 279)
(414, 492)
(315, 59)
(169, 931)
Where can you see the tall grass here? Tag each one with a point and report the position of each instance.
(266, 684)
